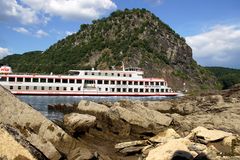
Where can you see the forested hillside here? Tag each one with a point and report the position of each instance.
(226, 76)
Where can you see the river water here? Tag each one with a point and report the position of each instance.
(41, 103)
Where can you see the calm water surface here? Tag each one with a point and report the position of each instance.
(40, 103)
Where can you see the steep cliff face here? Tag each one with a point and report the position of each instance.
(135, 37)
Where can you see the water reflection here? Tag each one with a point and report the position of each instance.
(40, 103)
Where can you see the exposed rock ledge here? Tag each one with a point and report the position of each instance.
(40, 132)
(146, 129)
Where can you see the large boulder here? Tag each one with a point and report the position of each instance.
(164, 136)
(173, 149)
(76, 123)
(161, 106)
(208, 135)
(122, 121)
(10, 148)
(153, 117)
(17, 113)
(92, 108)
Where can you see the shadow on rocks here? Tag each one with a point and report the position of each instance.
(183, 155)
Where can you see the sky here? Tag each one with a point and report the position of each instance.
(211, 27)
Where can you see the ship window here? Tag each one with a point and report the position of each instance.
(43, 80)
(99, 73)
(157, 90)
(50, 88)
(135, 90)
(35, 79)
(141, 83)
(130, 75)
(162, 90)
(130, 90)
(152, 90)
(146, 83)
(106, 82)
(118, 89)
(106, 89)
(99, 89)
(106, 74)
(79, 88)
(11, 79)
(162, 83)
(118, 82)
(141, 89)
(64, 80)
(27, 87)
(27, 79)
(112, 74)
(57, 88)
(93, 73)
(35, 87)
(71, 88)
(99, 82)
(157, 83)
(50, 80)
(64, 88)
(113, 89)
(89, 82)
(79, 81)
(11, 87)
(152, 83)
(19, 87)
(118, 74)
(166, 90)
(112, 82)
(124, 75)
(57, 80)
(42, 88)
(19, 79)
(85, 73)
(146, 90)
(71, 80)
(124, 89)
(124, 82)
(136, 83)
(129, 82)
(3, 79)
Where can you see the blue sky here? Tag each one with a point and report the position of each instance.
(211, 27)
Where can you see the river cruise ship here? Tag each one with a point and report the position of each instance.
(126, 82)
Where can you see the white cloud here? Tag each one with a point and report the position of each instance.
(40, 33)
(41, 11)
(219, 46)
(155, 1)
(72, 9)
(11, 10)
(69, 33)
(4, 52)
(21, 30)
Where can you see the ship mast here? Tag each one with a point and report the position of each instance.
(123, 67)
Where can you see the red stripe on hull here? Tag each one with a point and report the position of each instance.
(91, 94)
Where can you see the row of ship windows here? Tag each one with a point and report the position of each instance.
(79, 81)
(99, 89)
(107, 74)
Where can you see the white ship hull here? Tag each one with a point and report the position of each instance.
(87, 83)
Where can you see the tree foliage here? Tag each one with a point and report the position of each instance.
(226, 76)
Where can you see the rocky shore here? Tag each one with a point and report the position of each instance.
(192, 127)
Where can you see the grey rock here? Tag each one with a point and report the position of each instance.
(76, 122)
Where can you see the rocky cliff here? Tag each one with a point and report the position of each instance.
(137, 37)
